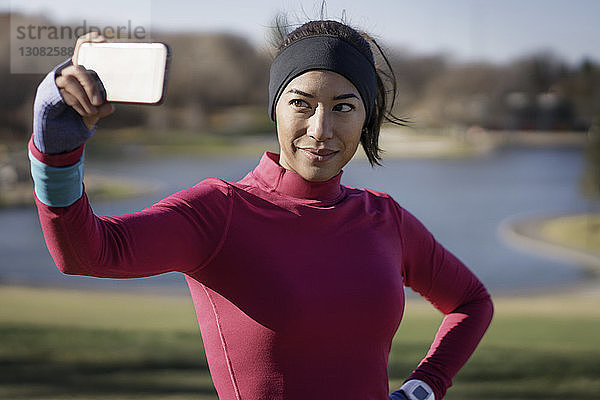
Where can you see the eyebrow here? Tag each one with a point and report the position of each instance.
(339, 97)
(301, 93)
(345, 96)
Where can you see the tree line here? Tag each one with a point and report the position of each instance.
(220, 80)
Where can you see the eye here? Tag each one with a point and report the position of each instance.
(298, 103)
(344, 107)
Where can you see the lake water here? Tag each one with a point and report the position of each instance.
(461, 201)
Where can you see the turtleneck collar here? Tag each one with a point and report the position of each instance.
(274, 178)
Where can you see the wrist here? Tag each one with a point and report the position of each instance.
(55, 160)
(57, 178)
(416, 389)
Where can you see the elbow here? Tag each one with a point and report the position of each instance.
(486, 298)
(484, 307)
(484, 304)
(70, 268)
(482, 301)
(480, 307)
(68, 264)
(489, 305)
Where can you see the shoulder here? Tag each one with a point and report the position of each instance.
(373, 200)
(212, 185)
(369, 195)
(383, 200)
(209, 191)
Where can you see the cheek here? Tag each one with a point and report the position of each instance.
(284, 130)
(353, 131)
(287, 133)
(289, 127)
(351, 147)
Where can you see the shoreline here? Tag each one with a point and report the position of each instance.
(583, 289)
(527, 234)
(586, 287)
(409, 142)
(580, 299)
(397, 143)
(97, 187)
(521, 232)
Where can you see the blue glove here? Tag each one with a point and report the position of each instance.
(398, 395)
(57, 128)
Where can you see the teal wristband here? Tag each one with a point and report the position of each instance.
(57, 186)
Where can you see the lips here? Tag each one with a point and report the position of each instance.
(315, 154)
(320, 152)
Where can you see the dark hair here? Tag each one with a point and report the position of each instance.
(363, 42)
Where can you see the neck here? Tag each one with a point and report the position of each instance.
(276, 178)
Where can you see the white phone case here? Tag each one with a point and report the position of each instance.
(130, 72)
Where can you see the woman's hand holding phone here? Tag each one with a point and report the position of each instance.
(72, 98)
(82, 89)
(67, 106)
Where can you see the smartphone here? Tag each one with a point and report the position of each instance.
(130, 72)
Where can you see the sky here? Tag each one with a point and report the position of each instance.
(466, 30)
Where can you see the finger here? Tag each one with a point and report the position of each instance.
(106, 109)
(103, 111)
(71, 101)
(98, 90)
(90, 122)
(91, 84)
(90, 37)
(71, 85)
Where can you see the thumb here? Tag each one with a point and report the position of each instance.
(103, 111)
(106, 109)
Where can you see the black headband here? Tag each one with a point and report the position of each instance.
(323, 52)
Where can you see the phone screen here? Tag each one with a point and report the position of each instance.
(130, 72)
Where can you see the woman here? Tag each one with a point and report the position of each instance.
(296, 279)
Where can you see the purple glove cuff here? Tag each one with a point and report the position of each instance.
(57, 128)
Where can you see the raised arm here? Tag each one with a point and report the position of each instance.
(181, 232)
(452, 288)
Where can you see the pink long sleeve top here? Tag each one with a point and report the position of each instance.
(298, 286)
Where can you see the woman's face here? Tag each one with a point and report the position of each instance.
(320, 116)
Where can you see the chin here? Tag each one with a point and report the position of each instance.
(317, 174)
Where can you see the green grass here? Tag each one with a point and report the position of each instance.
(57, 344)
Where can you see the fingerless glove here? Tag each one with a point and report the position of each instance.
(57, 127)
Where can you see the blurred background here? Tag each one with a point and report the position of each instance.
(501, 160)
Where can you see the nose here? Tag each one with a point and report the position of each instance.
(319, 125)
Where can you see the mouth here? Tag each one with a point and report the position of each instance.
(314, 154)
